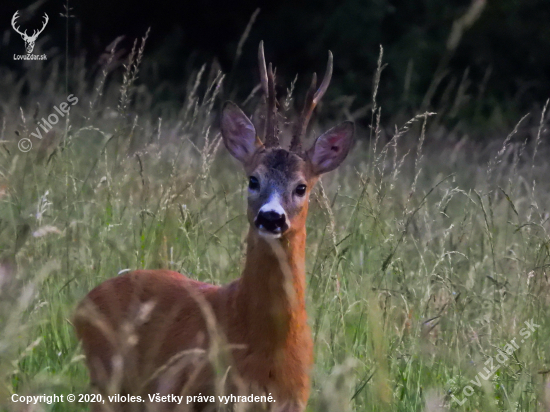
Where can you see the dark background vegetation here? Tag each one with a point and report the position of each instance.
(499, 71)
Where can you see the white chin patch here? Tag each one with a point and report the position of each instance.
(273, 205)
(267, 234)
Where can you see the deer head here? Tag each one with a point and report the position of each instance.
(29, 40)
(280, 180)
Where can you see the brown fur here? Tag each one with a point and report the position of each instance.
(153, 331)
(263, 313)
(254, 311)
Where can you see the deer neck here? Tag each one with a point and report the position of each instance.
(272, 287)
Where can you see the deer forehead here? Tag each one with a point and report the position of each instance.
(280, 167)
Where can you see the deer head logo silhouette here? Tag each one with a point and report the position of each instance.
(29, 40)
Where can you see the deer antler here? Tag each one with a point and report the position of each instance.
(37, 32)
(14, 22)
(312, 98)
(268, 86)
(24, 34)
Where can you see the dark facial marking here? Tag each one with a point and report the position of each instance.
(282, 162)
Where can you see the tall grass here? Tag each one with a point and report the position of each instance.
(425, 254)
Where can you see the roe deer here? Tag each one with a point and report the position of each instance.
(152, 331)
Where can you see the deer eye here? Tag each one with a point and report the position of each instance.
(301, 190)
(253, 183)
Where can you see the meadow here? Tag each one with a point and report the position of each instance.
(427, 251)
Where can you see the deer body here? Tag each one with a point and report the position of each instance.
(255, 312)
(153, 331)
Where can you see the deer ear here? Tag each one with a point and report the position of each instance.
(238, 132)
(331, 148)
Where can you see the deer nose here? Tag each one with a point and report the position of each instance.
(271, 221)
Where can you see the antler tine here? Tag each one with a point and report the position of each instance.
(271, 139)
(46, 20)
(14, 22)
(37, 32)
(301, 124)
(326, 80)
(263, 69)
(312, 98)
(268, 85)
